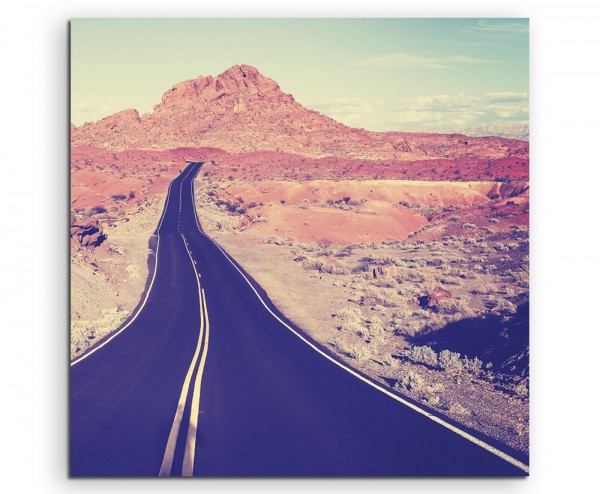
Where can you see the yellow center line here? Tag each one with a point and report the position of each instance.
(167, 463)
(190, 443)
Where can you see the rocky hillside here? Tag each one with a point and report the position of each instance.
(241, 110)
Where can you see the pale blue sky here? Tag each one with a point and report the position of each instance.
(380, 74)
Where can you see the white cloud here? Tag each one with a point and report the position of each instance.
(345, 109)
(496, 30)
(491, 25)
(462, 109)
(436, 111)
(408, 61)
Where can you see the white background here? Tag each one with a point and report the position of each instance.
(565, 134)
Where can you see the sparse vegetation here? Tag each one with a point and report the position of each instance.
(375, 321)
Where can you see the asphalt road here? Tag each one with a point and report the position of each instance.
(207, 380)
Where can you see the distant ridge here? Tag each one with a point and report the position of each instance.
(241, 110)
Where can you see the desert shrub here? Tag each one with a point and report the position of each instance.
(348, 314)
(411, 381)
(504, 305)
(436, 387)
(451, 281)
(118, 197)
(311, 263)
(468, 225)
(422, 355)
(382, 296)
(376, 331)
(450, 361)
(356, 351)
(458, 409)
(455, 306)
(362, 331)
(472, 366)
(453, 218)
(306, 247)
(485, 289)
(343, 251)
(274, 239)
(437, 262)
(494, 220)
(506, 290)
(431, 400)
(409, 328)
(363, 267)
(420, 261)
(375, 324)
(490, 267)
(385, 283)
(522, 389)
(333, 269)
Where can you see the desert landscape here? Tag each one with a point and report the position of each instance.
(403, 254)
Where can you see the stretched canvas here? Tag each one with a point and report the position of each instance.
(299, 247)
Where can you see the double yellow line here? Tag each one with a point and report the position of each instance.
(190, 442)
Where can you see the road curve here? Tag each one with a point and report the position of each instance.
(208, 379)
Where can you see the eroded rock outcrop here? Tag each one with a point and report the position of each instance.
(434, 297)
(387, 271)
(87, 233)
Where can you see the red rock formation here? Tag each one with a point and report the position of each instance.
(88, 233)
(434, 298)
(241, 110)
(387, 271)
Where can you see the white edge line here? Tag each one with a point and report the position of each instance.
(167, 462)
(113, 336)
(190, 443)
(434, 418)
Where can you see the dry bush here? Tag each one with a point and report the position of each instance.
(348, 314)
(422, 355)
(407, 327)
(455, 307)
(503, 305)
(458, 409)
(450, 361)
(485, 289)
(322, 266)
(275, 240)
(472, 366)
(358, 351)
(410, 381)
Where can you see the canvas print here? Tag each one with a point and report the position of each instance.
(299, 247)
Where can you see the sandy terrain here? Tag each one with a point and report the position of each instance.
(116, 201)
(328, 288)
(404, 254)
(107, 283)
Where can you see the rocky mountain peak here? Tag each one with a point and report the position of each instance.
(241, 110)
(240, 82)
